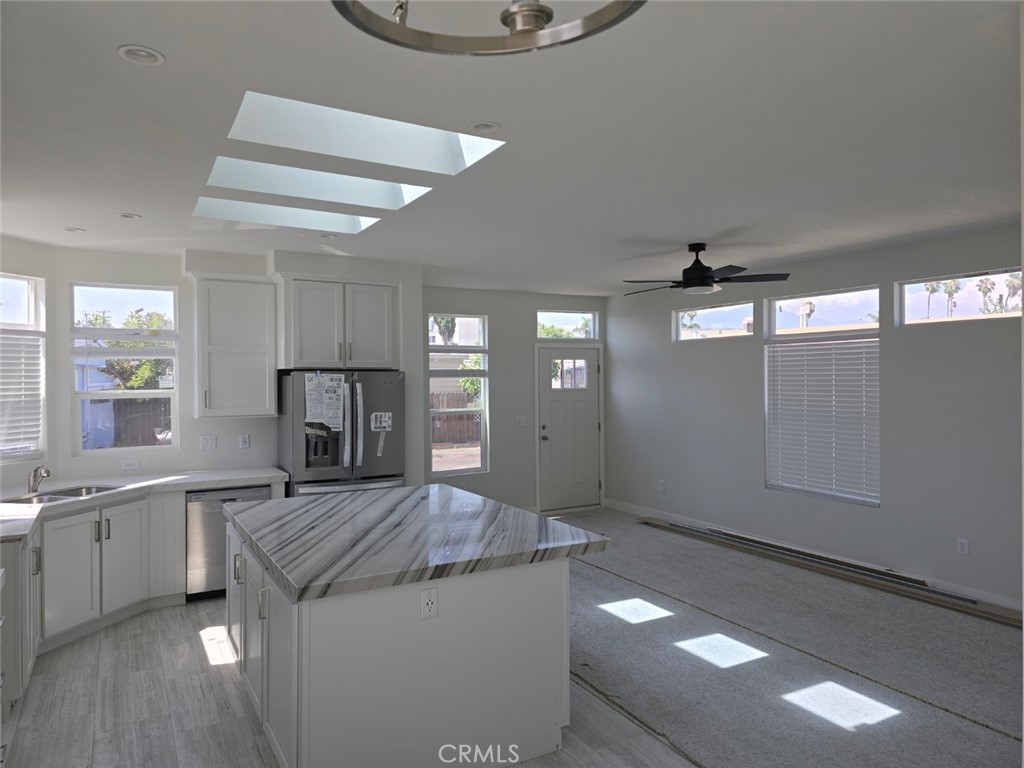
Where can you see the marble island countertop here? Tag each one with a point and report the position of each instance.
(316, 546)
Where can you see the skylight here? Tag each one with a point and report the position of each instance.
(308, 127)
(281, 216)
(315, 185)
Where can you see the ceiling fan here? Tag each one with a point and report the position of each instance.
(700, 278)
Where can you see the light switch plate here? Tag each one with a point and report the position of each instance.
(207, 442)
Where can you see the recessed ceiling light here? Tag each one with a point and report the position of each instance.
(140, 54)
(73, 229)
(485, 126)
(130, 215)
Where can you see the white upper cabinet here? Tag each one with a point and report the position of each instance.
(338, 325)
(236, 331)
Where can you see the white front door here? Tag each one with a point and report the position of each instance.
(568, 412)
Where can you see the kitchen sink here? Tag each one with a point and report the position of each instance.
(40, 499)
(82, 490)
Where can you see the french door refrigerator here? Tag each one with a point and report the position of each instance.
(341, 430)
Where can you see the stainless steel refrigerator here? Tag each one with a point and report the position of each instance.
(341, 430)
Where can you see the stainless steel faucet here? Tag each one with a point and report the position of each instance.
(35, 477)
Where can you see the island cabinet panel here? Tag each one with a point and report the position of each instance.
(31, 567)
(252, 629)
(492, 668)
(280, 721)
(19, 631)
(235, 598)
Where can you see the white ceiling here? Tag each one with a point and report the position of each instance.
(774, 131)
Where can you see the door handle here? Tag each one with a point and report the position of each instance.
(543, 437)
(359, 423)
(261, 604)
(106, 534)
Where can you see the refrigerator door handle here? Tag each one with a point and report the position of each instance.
(346, 424)
(359, 422)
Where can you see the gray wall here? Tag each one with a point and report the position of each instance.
(692, 414)
(512, 339)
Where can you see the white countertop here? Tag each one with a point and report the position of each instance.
(16, 520)
(316, 546)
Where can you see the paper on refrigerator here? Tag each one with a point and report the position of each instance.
(325, 399)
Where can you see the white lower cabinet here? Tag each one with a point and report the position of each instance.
(252, 629)
(94, 563)
(267, 628)
(19, 630)
(280, 718)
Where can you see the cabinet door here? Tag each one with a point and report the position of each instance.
(252, 629)
(71, 571)
(235, 328)
(317, 324)
(125, 554)
(32, 568)
(11, 555)
(282, 675)
(369, 323)
(235, 591)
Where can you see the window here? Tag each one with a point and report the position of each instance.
(124, 346)
(962, 297)
(22, 367)
(569, 374)
(457, 362)
(834, 313)
(713, 322)
(566, 325)
(821, 403)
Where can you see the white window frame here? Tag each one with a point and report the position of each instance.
(816, 479)
(901, 314)
(771, 316)
(461, 373)
(596, 322)
(103, 334)
(34, 329)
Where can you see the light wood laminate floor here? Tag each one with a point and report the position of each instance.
(144, 694)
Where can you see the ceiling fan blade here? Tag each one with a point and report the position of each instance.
(646, 290)
(669, 280)
(763, 278)
(728, 271)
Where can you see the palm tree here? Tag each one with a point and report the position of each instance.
(931, 288)
(985, 286)
(951, 288)
(1012, 287)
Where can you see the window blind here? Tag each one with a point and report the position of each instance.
(822, 418)
(21, 393)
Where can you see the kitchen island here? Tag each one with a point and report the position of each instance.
(345, 668)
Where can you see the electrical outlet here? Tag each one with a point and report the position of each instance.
(661, 486)
(207, 442)
(961, 546)
(243, 441)
(129, 464)
(428, 603)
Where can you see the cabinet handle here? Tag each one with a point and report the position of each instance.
(106, 533)
(37, 561)
(260, 604)
(350, 351)
(96, 529)
(239, 564)
(206, 398)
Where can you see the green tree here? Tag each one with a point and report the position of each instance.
(471, 387)
(138, 373)
(585, 328)
(549, 331)
(985, 286)
(951, 288)
(1012, 289)
(931, 288)
(445, 325)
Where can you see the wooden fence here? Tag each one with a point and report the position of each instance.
(453, 428)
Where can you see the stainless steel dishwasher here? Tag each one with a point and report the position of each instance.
(205, 542)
